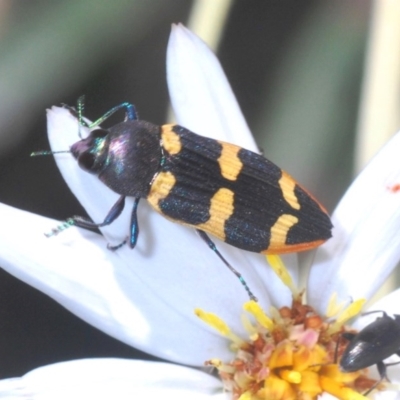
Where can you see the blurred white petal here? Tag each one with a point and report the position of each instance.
(387, 394)
(366, 243)
(93, 283)
(112, 379)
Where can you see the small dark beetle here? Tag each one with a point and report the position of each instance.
(373, 344)
(213, 186)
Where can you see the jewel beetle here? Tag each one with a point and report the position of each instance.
(215, 187)
(373, 344)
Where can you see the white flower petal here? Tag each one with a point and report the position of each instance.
(112, 379)
(75, 270)
(366, 243)
(201, 96)
(387, 394)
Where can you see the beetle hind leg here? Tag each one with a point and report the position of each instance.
(213, 247)
(382, 370)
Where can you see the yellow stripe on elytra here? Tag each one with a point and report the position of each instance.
(171, 141)
(280, 230)
(287, 185)
(160, 188)
(221, 208)
(229, 162)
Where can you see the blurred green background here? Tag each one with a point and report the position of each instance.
(296, 67)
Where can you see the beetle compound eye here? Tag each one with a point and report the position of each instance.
(86, 161)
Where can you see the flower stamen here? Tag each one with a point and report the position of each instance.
(349, 312)
(219, 325)
(279, 268)
(257, 312)
(291, 354)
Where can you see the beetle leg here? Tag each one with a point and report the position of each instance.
(213, 247)
(134, 224)
(134, 230)
(382, 370)
(112, 215)
(85, 223)
(348, 336)
(382, 373)
(130, 113)
(394, 363)
(373, 312)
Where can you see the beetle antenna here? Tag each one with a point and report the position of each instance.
(48, 152)
(81, 121)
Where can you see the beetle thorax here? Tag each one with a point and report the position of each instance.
(133, 158)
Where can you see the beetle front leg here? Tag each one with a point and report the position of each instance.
(112, 215)
(134, 224)
(348, 336)
(134, 227)
(85, 223)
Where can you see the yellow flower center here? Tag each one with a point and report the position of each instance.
(290, 356)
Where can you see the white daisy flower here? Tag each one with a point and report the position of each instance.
(146, 296)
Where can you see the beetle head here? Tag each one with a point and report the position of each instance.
(91, 151)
